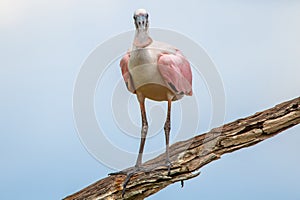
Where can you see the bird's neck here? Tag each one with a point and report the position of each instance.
(142, 38)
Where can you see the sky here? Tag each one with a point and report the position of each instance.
(44, 45)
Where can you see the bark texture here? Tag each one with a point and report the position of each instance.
(189, 156)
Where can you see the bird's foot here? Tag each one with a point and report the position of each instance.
(118, 173)
(169, 166)
(129, 173)
(134, 169)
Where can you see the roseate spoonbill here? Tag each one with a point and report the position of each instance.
(156, 71)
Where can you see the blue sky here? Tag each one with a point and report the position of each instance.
(254, 45)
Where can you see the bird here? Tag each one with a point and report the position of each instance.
(157, 71)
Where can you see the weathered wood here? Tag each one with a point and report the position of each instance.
(190, 155)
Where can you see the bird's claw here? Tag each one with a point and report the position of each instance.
(169, 166)
(118, 173)
(127, 179)
(129, 173)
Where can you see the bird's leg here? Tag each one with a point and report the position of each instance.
(143, 131)
(167, 129)
(137, 167)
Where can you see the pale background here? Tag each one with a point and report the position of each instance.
(255, 46)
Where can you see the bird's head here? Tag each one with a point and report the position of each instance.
(141, 19)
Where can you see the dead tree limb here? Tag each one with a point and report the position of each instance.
(190, 155)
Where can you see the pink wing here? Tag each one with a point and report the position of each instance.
(176, 71)
(125, 72)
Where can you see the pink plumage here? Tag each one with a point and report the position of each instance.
(176, 72)
(174, 69)
(125, 72)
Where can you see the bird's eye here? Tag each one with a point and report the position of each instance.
(147, 15)
(134, 17)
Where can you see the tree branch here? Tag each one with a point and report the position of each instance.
(190, 155)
